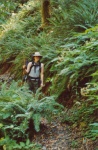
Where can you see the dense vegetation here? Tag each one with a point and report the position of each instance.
(69, 47)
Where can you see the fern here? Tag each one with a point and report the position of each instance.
(21, 108)
(94, 130)
(12, 145)
(37, 120)
(84, 14)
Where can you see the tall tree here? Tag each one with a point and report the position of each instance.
(45, 11)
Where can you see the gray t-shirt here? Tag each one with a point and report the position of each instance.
(35, 70)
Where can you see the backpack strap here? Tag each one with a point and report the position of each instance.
(33, 64)
(40, 66)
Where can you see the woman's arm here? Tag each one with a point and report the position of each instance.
(42, 74)
(28, 67)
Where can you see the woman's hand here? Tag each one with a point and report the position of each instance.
(42, 85)
(24, 66)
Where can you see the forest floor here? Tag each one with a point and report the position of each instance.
(59, 136)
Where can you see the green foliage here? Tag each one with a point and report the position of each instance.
(74, 144)
(70, 58)
(21, 111)
(9, 8)
(74, 65)
(77, 65)
(6, 9)
(84, 113)
(17, 37)
(94, 130)
(12, 145)
(70, 16)
(84, 14)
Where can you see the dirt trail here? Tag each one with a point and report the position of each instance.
(6, 77)
(58, 136)
(54, 137)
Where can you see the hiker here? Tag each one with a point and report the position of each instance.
(35, 71)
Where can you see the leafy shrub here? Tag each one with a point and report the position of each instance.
(83, 15)
(21, 112)
(84, 112)
(74, 64)
(94, 130)
(7, 8)
(12, 145)
(70, 16)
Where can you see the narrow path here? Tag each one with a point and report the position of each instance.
(58, 136)
(6, 77)
(54, 136)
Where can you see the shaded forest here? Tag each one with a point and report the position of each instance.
(66, 34)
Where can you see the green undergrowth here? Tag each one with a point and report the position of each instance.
(21, 113)
(69, 47)
(9, 8)
(84, 112)
(76, 83)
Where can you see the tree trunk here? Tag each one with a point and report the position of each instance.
(45, 11)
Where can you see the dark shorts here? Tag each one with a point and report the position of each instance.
(33, 84)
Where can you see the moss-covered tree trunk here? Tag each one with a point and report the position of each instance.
(45, 11)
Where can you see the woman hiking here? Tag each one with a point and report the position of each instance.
(35, 71)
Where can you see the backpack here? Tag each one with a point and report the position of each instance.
(28, 75)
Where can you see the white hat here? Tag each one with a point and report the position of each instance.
(37, 54)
